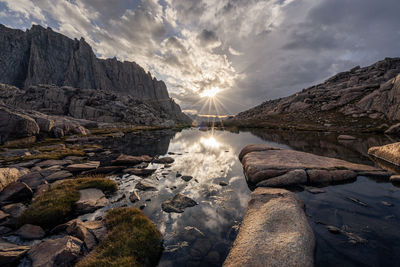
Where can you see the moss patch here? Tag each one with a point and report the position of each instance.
(132, 240)
(55, 206)
(45, 155)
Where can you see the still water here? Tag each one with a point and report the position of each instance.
(202, 235)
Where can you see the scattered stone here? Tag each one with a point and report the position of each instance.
(26, 164)
(395, 178)
(186, 178)
(178, 203)
(387, 204)
(275, 230)
(30, 232)
(9, 175)
(134, 197)
(104, 170)
(90, 200)
(140, 172)
(10, 253)
(131, 160)
(333, 229)
(222, 183)
(145, 186)
(3, 215)
(60, 175)
(355, 200)
(53, 162)
(15, 209)
(314, 190)
(164, 160)
(142, 206)
(393, 130)
(178, 175)
(346, 137)
(16, 192)
(83, 166)
(63, 251)
(33, 179)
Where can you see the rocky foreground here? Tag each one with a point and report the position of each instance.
(362, 99)
(275, 230)
(45, 187)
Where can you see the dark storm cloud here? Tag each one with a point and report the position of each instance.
(253, 50)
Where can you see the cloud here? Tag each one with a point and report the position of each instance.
(251, 50)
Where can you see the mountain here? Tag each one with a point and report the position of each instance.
(362, 99)
(42, 56)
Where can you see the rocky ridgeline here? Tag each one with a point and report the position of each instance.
(362, 97)
(42, 56)
(63, 110)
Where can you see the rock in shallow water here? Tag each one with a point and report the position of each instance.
(281, 167)
(274, 232)
(389, 153)
(178, 203)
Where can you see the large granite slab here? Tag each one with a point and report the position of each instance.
(274, 232)
(275, 167)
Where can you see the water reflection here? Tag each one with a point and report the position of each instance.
(202, 235)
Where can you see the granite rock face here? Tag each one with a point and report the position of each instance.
(368, 96)
(275, 232)
(266, 166)
(42, 56)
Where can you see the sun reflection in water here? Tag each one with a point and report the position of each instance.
(210, 142)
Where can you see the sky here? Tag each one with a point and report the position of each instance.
(244, 51)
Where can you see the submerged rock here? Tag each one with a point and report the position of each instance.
(140, 172)
(178, 203)
(274, 232)
(146, 186)
(346, 137)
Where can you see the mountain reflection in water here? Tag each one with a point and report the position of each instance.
(203, 234)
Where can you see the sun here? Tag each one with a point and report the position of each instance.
(211, 92)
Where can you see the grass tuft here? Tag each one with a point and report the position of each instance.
(132, 240)
(55, 206)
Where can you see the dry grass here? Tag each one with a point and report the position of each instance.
(55, 206)
(132, 240)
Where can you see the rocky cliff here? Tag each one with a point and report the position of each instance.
(42, 56)
(362, 98)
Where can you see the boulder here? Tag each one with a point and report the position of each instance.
(395, 178)
(104, 170)
(90, 200)
(131, 160)
(63, 251)
(16, 192)
(274, 232)
(178, 203)
(45, 124)
(389, 153)
(16, 125)
(262, 163)
(30, 232)
(10, 253)
(33, 179)
(83, 166)
(9, 175)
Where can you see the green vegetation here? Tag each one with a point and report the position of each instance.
(132, 240)
(45, 155)
(55, 206)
